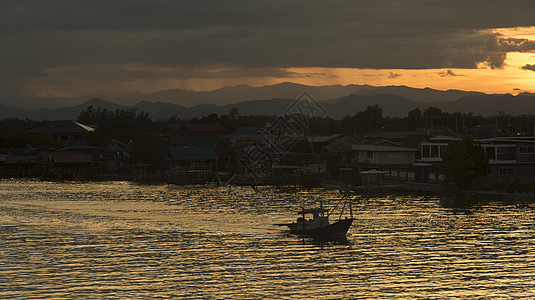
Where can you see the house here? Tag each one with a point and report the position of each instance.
(340, 145)
(319, 143)
(115, 156)
(65, 132)
(510, 158)
(383, 156)
(190, 164)
(387, 158)
(73, 163)
(431, 151)
(17, 164)
(244, 136)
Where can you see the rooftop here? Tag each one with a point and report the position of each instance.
(62, 127)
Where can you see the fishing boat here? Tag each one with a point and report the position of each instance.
(319, 224)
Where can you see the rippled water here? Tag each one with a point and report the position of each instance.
(121, 240)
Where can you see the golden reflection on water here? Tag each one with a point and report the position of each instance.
(121, 240)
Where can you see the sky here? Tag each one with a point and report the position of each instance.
(80, 48)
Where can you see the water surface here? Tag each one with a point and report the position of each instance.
(122, 240)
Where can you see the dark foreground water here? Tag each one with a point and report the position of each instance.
(126, 241)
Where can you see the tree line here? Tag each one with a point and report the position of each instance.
(129, 124)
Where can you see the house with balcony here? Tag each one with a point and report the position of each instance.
(431, 151)
(510, 159)
(386, 157)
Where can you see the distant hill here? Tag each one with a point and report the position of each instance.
(72, 112)
(7, 112)
(392, 105)
(395, 101)
(492, 104)
(288, 90)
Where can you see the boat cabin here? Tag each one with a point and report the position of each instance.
(318, 218)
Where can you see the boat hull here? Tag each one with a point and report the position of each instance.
(337, 228)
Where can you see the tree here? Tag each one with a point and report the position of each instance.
(415, 118)
(148, 148)
(234, 113)
(462, 162)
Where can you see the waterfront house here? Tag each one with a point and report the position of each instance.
(115, 156)
(18, 164)
(73, 163)
(383, 156)
(190, 164)
(65, 132)
(510, 159)
(431, 151)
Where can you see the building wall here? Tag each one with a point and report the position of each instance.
(385, 158)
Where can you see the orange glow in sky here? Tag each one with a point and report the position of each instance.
(509, 79)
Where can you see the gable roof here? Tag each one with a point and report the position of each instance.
(113, 145)
(386, 143)
(339, 142)
(62, 127)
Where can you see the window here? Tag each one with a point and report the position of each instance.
(526, 149)
(434, 151)
(491, 151)
(64, 137)
(506, 153)
(506, 171)
(426, 151)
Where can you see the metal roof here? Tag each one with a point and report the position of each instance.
(62, 127)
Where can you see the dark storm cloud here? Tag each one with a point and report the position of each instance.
(528, 67)
(448, 73)
(248, 35)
